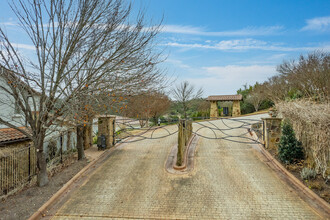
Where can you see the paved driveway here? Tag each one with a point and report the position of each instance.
(228, 182)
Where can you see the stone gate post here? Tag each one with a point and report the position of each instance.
(236, 108)
(106, 127)
(214, 112)
(271, 132)
(88, 135)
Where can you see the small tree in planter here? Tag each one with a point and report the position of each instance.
(290, 148)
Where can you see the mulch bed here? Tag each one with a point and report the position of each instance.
(317, 185)
(23, 204)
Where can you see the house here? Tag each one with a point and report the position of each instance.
(9, 111)
(59, 136)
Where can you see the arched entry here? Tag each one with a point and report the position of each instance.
(214, 99)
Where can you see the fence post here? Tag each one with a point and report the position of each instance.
(61, 144)
(114, 132)
(29, 162)
(1, 174)
(272, 132)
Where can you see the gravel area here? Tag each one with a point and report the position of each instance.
(23, 204)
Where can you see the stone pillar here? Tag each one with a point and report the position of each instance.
(214, 113)
(236, 108)
(106, 127)
(271, 132)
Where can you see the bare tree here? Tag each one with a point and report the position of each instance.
(184, 93)
(276, 88)
(309, 74)
(146, 106)
(308, 77)
(256, 96)
(82, 48)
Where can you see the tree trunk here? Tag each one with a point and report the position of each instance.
(180, 143)
(256, 107)
(185, 111)
(142, 123)
(80, 142)
(68, 143)
(42, 176)
(88, 139)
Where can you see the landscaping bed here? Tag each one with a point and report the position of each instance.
(24, 203)
(317, 185)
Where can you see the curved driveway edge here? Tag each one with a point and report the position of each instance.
(189, 158)
(316, 202)
(43, 210)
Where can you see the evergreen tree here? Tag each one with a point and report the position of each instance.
(290, 148)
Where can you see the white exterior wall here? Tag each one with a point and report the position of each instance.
(7, 108)
(7, 112)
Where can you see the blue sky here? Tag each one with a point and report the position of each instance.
(221, 45)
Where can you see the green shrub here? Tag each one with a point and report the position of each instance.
(246, 107)
(198, 115)
(290, 148)
(95, 140)
(307, 173)
(265, 104)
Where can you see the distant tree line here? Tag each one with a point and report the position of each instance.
(308, 77)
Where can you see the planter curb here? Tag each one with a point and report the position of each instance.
(42, 211)
(188, 165)
(322, 207)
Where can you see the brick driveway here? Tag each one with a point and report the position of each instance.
(228, 182)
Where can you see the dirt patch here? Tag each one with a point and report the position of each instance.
(317, 185)
(23, 204)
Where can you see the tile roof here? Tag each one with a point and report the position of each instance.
(11, 134)
(225, 98)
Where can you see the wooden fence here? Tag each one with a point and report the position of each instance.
(17, 168)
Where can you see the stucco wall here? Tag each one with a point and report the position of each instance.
(7, 107)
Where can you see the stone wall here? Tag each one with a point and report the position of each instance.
(214, 113)
(236, 108)
(272, 132)
(106, 127)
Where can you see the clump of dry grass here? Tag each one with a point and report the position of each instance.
(311, 122)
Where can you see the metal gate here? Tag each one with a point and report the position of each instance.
(219, 127)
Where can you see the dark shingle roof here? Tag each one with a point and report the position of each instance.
(225, 98)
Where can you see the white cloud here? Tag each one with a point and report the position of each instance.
(249, 31)
(21, 46)
(178, 63)
(245, 44)
(263, 60)
(24, 46)
(9, 23)
(180, 29)
(240, 44)
(235, 71)
(224, 80)
(317, 24)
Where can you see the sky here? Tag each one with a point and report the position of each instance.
(221, 45)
